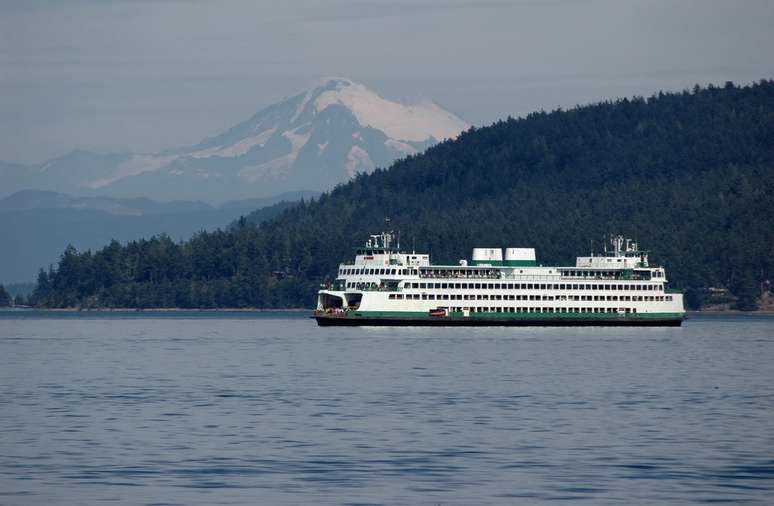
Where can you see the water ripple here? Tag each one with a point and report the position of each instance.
(210, 410)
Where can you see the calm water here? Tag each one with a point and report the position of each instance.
(270, 409)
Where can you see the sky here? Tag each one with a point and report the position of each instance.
(146, 75)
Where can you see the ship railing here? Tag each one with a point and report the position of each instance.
(378, 288)
(458, 276)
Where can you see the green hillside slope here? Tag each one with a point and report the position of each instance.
(690, 175)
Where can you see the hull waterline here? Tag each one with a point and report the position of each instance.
(343, 321)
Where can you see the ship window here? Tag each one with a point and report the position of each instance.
(391, 296)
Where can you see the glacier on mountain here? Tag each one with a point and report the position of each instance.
(310, 141)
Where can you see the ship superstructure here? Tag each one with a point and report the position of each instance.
(387, 286)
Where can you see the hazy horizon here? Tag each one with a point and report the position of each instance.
(145, 76)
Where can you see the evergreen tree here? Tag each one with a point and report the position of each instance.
(5, 298)
(688, 174)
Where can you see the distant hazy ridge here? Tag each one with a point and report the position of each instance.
(690, 175)
(310, 141)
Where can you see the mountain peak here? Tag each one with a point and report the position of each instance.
(420, 122)
(313, 140)
(334, 82)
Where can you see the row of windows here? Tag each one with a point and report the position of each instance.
(590, 298)
(545, 309)
(607, 274)
(534, 286)
(378, 272)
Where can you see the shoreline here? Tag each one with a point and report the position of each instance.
(157, 310)
(734, 312)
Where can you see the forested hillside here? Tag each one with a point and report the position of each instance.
(690, 175)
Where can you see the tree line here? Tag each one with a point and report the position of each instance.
(689, 174)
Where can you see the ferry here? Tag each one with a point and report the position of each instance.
(385, 286)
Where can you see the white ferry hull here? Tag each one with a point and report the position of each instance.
(387, 287)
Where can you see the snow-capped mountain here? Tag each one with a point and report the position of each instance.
(310, 141)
